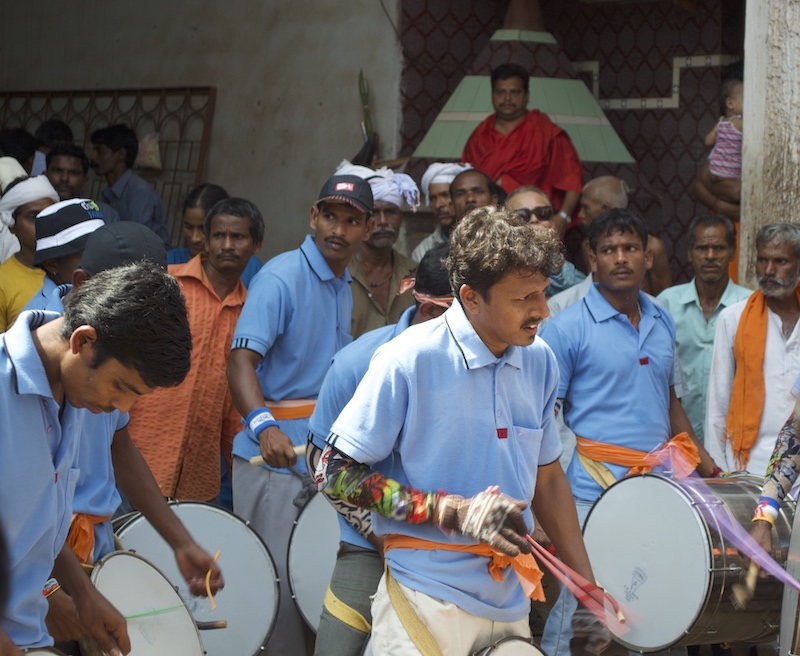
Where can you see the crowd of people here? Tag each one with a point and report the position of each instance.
(448, 402)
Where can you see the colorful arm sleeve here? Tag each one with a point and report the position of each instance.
(342, 477)
(784, 465)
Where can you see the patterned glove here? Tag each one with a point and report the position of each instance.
(488, 517)
(590, 637)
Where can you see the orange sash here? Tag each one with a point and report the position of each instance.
(525, 566)
(747, 395)
(641, 462)
(291, 408)
(81, 535)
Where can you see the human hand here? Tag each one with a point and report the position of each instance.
(276, 448)
(103, 622)
(194, 563)
(589, 636)
(62, 618)
(489, 517)
(7, 647)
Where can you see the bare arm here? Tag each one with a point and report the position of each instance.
(276, 447)
(571, 199)
(8, 648)
(702, 194)
(136, 480)
(680, 423)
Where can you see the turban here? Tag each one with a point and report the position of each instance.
(24, 192)
(441, 173)
(387, 185)
(10, 170)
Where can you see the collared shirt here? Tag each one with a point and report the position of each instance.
(434, 239)
(347, 369)
(615, 380)
(438, 411)
(137, 200)
(781, 364)
(367, 313)
(562, 300)
(181, 256)
(296, 316)
(38, 478)
(41, 298)
(694, 342)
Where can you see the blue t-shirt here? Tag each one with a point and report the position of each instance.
(438, 411)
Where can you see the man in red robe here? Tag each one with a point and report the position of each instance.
(517, 147)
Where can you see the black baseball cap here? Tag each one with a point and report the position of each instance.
(121, 243)
(348, 189)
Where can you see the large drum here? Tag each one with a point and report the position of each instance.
(42, 651)
(312, 556)
(789, 642)
(159, 623)
(249, 600)
(510, 646)
(652, 549)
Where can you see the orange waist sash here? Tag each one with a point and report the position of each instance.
(525, 566)
(291, 408)
(81, 535)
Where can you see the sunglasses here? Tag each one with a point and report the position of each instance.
(541, 213)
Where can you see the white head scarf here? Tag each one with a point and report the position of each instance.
(386, 185)
(10, 170)
(441, 173)
(23, 192)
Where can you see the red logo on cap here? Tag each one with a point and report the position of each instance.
(345, 186)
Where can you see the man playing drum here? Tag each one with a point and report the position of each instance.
(447, 438)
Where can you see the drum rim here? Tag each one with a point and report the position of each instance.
(224, 512)
(103, 561)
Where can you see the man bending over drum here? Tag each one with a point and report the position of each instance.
(446, 440)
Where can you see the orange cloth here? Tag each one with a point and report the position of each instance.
(641, 462)
(81, 535)
(536, 152)
(747, 395)
(180, 430)
(291, 408)
(733, 267)
(525, 566)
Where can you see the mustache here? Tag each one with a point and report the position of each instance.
(621, 269)
(785, 286)
(379, 232)
(533, 323)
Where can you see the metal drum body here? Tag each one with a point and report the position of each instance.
(651, 548)
(510, 646)
(136, 588)
(313, 546)
(249, 600)
(42, 651)
(789, 642)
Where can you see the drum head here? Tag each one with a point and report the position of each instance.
(651, 550)
(249, 600)
(511, 646)
(159, 624)
(312, 556)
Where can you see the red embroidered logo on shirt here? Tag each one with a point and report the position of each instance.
(55, 478)
(644, 361)
(502, 433)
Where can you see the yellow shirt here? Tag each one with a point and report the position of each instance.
(18, 284)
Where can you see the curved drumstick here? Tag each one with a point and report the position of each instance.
(299, 450)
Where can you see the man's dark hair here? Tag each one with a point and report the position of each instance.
(432, 277)
(51, 132)
(68, 150)
(237, 207)
(492, 241)
(17, 143)
(489, 183)
(507, 71)
(204, 197)
(711, 221)
(139, 314)
(116, 137)
(614, 221)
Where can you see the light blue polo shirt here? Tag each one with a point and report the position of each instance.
(694, 342)
(615, 380)
(347, 369)
(38, 476)
(41, 298)
(296, 316)
(438, 411)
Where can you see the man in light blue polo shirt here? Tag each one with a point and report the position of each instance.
(696, 305)
(447, 411)
(615, 350)
(122, 335)
(295, 318)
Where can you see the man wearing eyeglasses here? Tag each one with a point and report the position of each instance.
(534, 207)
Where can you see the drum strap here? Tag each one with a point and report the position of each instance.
(291, 408)
(344, 613)
(416, 629)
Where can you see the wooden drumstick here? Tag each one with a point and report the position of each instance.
(741, 594)
(208, 626)
(299, 450)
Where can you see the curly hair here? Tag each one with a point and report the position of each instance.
(492, 241)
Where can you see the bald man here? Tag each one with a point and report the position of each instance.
(606, 193)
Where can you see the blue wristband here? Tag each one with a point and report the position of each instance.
(259, 420)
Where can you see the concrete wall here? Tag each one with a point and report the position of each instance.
(286, 74)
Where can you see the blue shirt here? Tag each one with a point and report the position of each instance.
(42, 297)
(694, 342)
(438, 411)
(181, 256)
(347, 369)
(296, 316)
(615, 380)
(37, 478)
(137, 200)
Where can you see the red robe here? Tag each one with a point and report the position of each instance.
(537, 152)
